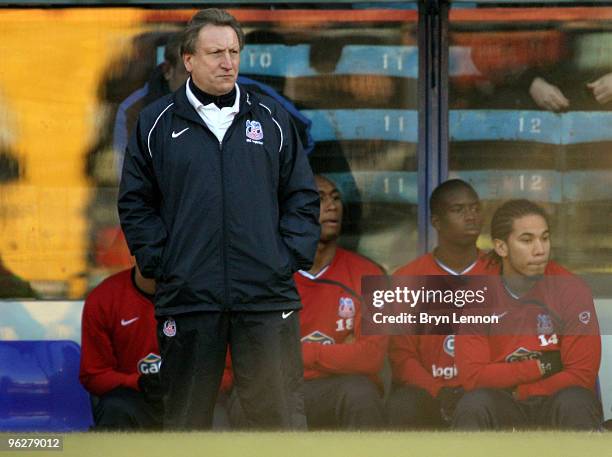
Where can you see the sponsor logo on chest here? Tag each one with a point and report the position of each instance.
(318, 337)
(449, 345)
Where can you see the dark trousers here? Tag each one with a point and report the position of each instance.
(345, 402)
(573, 408)
(125, 409)
(350, 402)
(266, 362)
(410, 407)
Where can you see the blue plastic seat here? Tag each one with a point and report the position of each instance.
(40, 388)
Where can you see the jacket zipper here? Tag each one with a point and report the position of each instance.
(224, 230)
(223, 212)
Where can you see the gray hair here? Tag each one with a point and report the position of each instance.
(209, 16)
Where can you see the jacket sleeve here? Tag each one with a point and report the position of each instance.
(98, 363)
(476, 370)
(407, 367)
(365, 355)
(298, 201)
(138, 204)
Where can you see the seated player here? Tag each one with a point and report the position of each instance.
(341, 384)
(119, 353)
(425, 386)
(341, 366)
(538, 366)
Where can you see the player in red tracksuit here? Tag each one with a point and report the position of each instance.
(425, 385)
(341, 388)
(119, 353)
(538, 366)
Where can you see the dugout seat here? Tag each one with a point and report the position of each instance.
(40, 389)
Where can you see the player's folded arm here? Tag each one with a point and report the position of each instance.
(581, 355)
(365, 356)
(476, 370)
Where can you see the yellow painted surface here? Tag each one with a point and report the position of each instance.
(52, 62)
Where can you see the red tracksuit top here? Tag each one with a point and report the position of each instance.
(504, 360)
(118, 331)
(330, 320)
(428, 361)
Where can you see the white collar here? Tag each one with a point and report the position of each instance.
(449, 270)
(311, 277)
(198, 105)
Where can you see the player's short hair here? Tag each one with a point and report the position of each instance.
(208, 16)
(436, 200)
(330, 180)
(503, 219)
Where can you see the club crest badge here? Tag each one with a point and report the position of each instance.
(169, 328)
(585, 317)
(545, 325)
(149, 364)
(449, 345)
(254, 131)
(346, 307)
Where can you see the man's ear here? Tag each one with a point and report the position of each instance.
(500, 247)
(435, 221)
(187, 62)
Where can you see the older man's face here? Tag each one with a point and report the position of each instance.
(214, 64)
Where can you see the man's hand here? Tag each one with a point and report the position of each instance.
(550, 363)
(448, 398)
(150, 386)
(602, 89)
(548, 96)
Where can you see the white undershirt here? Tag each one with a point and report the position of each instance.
(312, 277)
(217, 120)
(449, 270)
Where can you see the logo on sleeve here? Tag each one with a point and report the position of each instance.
(149, 364)
(318, 337)
(585, 317)
(346, 307)
(254, 132)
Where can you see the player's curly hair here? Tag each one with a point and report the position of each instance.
(504, 217)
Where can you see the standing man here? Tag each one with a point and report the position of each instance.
(218, 204)
(425, 384)
(538, 366)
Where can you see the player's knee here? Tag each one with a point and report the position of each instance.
(574, 397)
(359, 390)
(406, 406)
(476, 402)
(112, 411)
(571, 402)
